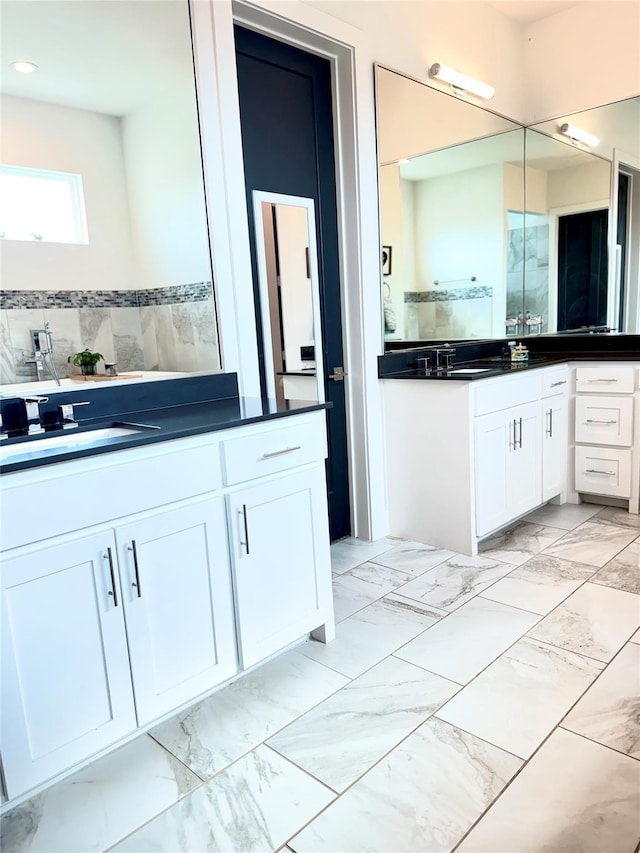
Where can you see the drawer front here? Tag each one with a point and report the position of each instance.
(269, 451)
(508, 391)
(86, 492)
(604, 420)
(613, 379)
(555, 381)
(603, 471)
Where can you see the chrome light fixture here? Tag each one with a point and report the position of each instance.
(461, 82)
(575, 134)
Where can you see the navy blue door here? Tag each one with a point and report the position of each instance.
(288, 147)
(582, 269)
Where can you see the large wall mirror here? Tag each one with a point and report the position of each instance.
(103, 217)
(489, 229)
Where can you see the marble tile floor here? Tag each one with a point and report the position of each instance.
(472, 704)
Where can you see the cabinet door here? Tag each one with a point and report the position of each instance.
(508, 465)
(554, 447)
(282, 571)
(66, 684)
(524, 477)
(494, 437)
(178, 605)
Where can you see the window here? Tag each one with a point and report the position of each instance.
(37, 204)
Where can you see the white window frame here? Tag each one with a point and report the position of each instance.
(74, 182)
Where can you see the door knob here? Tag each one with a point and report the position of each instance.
(337, 375)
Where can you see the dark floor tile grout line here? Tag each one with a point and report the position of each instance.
(598, 743)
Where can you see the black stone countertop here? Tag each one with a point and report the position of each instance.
(485, 356)
(170, 422)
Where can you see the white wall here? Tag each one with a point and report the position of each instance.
(46, 136)
(582, 57)
(166, 199)
(579, 185)
(393, 212)
(410, 36)
(462, 217)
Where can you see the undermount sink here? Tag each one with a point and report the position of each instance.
(471, 370)
(68, 441)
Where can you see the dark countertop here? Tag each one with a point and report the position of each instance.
(172, 422)
(559, 349)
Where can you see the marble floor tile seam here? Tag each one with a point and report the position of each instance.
(525, 763)
(598, 742)
(213, 778)
(485, 592)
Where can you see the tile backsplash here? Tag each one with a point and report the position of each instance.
(167, 328)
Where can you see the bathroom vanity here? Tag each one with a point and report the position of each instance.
(470, 452)
(140, 573)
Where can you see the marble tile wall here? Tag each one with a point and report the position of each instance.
(528, 267)
(170, 328)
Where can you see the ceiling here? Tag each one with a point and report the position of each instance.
(109, 56)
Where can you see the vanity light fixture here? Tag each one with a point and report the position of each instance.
(577, 135)
(24, 66)
(461, 82)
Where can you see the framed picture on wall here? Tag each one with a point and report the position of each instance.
(386, 260)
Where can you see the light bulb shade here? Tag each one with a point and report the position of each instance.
(24, 66)
(578, 135)
(461, 81)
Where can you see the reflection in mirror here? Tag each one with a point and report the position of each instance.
(585, 191)
(289, 296)
(565, 256)
(112, 249)
(450, 173)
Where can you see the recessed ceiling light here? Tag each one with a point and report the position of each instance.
(24, 66)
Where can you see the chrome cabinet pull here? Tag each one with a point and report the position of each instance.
(112, 592)
(594, 421)
(279, 452)
(549, 429)
(596, 471)
(244, 543)
(520, 433)
(555, 384)
(512, 435)
(134, 551)
(602, 380)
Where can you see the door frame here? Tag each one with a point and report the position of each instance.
(622, 162)
(352, 60)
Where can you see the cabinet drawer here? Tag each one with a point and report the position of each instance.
(270, 451)
(605, 420)
(505, 392)
(603, 471)
(555, 381)
(612, 379)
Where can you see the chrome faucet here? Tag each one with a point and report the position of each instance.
(32, 413)
(67, 416)
(443, 357)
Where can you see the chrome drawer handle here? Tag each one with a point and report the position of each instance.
(555, 384)
(112, 592)
(594, 421)
(279, 452)
(595, 471)
(602, 380)
(134, 551)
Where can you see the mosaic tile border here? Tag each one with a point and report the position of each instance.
(451, 294)
(200, 291)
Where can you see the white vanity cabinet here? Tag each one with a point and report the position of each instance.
(176, 594)
(66, 686)
(606, 431)
(508, 468)
(555, 435)
(465, 458)
(274, 529)
(130, 607)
